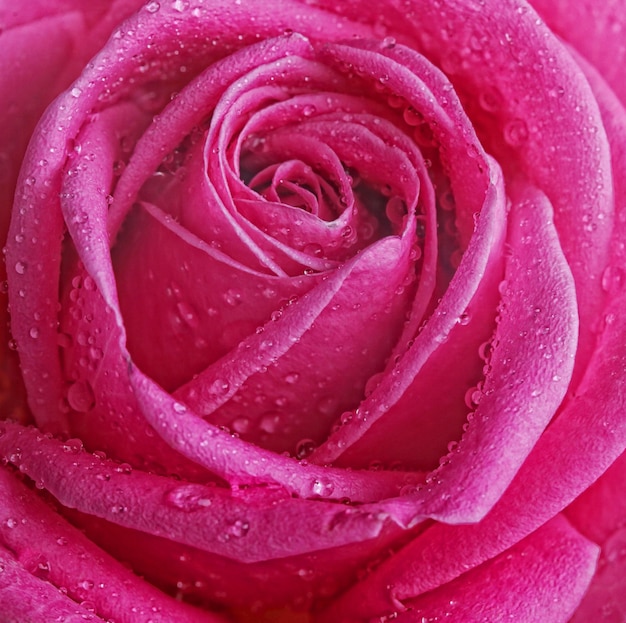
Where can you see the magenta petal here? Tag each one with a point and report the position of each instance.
(270, 371)
(488, 234)
(596, 30)
(599, 514)
(605, 600)
(576, 174)
(542, 578)
(239, 462)
(202, 516)
(64, 558)
(24, 597)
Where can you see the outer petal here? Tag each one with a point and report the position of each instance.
(572, 453)
(52, 568)
(596, 29)
(496, 54)
(542, 578)
(599, 514)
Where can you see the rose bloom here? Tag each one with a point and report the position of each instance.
(316, 311)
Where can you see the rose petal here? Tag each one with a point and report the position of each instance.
(576, 178)
(37, 239)
(210, 518)
(596, 30)
(457, 298)
(543, 577)
(27, 598)
(569, 456)
(65, 559)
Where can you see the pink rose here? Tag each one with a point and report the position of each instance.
(317, 309)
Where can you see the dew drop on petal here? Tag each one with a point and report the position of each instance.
(240, 424)
(304, 448)
(80, 396)
(239, 528)
(292, 378)
(612, 279)
(270, 422)
(72, 446)
(322, 487)
(516, 132)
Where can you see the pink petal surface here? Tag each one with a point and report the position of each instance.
(542, 578)
(508, 465)
(177, 532)
(49, 43)
(599, 512)
(596, 30)
(570, 455)
(69, 116)
(65, 559)
(193, 514)
(27, 598)
(494, 50)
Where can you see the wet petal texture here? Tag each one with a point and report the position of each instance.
(50, 44)
(318, 310)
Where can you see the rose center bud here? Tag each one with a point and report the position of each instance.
(298, 214)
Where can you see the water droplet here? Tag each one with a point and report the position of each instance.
(516, 132)
(20, 268)
(304, 448)
(239, 528)
(72, 446)
(346, 417)
(472, 397)
(232, 297)
(179, 407)
(34, 333)
(314, 249)
(490, 99)
(372, 383)
(123, 468)
(188, 314)
(464, 318)
(219, 387)
(76, 92)
(292, 378)
(240, 425)
(188, 498)
(485, 350)
(152, 7)
(395, 210)
(309, 110)
(118, 509)
(411, 116)
(612, 279)
(322, 487)
(270, 422)
(11, 523)
(80, 396)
